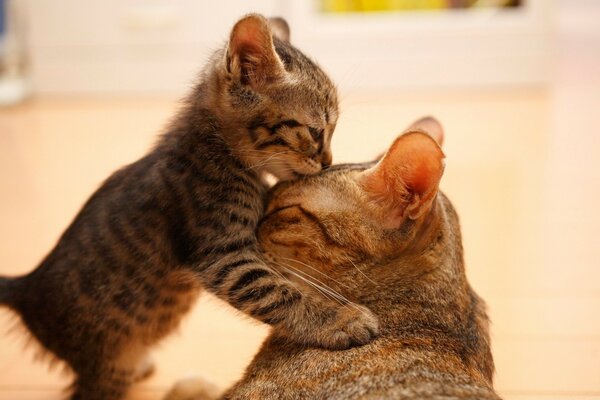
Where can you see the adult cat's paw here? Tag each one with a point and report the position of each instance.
(354, 326)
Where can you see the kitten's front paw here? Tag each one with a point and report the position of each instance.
(353, 326)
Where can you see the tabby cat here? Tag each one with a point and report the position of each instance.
(184, 217)
(382, 236)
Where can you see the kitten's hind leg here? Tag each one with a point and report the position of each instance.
(145, 369)
(195, 388)
(111, 380)
(106, 383)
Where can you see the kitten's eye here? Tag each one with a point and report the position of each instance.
(315, 133)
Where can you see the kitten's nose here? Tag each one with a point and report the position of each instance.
(326, 160)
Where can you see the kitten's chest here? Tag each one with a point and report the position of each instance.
(228, 191)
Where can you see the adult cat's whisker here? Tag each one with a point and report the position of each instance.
(316, 270)
(341, 298)
(362, 273)
(270, 261)
(324, 291)
(283, 277)
(295, 274)
(315, 286)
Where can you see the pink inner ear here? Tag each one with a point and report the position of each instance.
(430, 125)
(421, 166)
(250, 36)
(252, 45)
(407, 176)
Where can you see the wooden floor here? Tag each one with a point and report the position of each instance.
(523, 169)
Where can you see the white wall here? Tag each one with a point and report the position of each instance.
(127, 46)
(157, 46)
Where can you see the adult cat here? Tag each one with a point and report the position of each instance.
(184, 217)
(383, 236)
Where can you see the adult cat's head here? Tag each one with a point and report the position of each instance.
(373, 215)
(277, 106)
(382, 235)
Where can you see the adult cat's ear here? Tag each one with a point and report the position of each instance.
(431, 126)
(251, 55)
(405, 181)
(280, 28)
(427, 124)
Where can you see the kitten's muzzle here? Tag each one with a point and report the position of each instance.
(326, 160)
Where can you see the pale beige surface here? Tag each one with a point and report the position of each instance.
(523, 169)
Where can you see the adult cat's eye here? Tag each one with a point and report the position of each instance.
(315, 132)
(279, 209)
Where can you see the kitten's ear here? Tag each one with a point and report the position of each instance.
(280, 28)
(430, 125)
(405, 182)
(251, 55)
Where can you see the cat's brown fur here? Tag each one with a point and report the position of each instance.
(382, 236)
(183, 218)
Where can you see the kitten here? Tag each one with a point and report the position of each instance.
(183, 218)
(383, 236)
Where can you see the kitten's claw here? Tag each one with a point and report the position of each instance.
(354, 326)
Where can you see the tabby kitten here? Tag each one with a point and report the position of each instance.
(183, 218)
(383, 236)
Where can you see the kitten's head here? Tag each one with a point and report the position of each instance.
(359, 215)
(281, 104)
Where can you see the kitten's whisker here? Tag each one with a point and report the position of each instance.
(252, 151)
(268, 160)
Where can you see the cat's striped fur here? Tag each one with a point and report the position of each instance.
(380, 235)
(183, 219)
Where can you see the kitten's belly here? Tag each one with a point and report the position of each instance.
(178, 293)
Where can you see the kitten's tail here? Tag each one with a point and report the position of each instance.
(6, 288)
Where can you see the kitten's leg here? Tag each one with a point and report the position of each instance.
(105, 383)
(246, 282)
(144, 369)
(111, 380)
(195, 388)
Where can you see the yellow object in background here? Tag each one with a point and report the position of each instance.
(345, 6)
(352, 6)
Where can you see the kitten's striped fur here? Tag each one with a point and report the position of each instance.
(380, 235)
(183, 218)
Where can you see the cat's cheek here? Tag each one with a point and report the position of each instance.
(296, 167)
(308, 166)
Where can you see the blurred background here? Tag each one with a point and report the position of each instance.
(86, 86)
